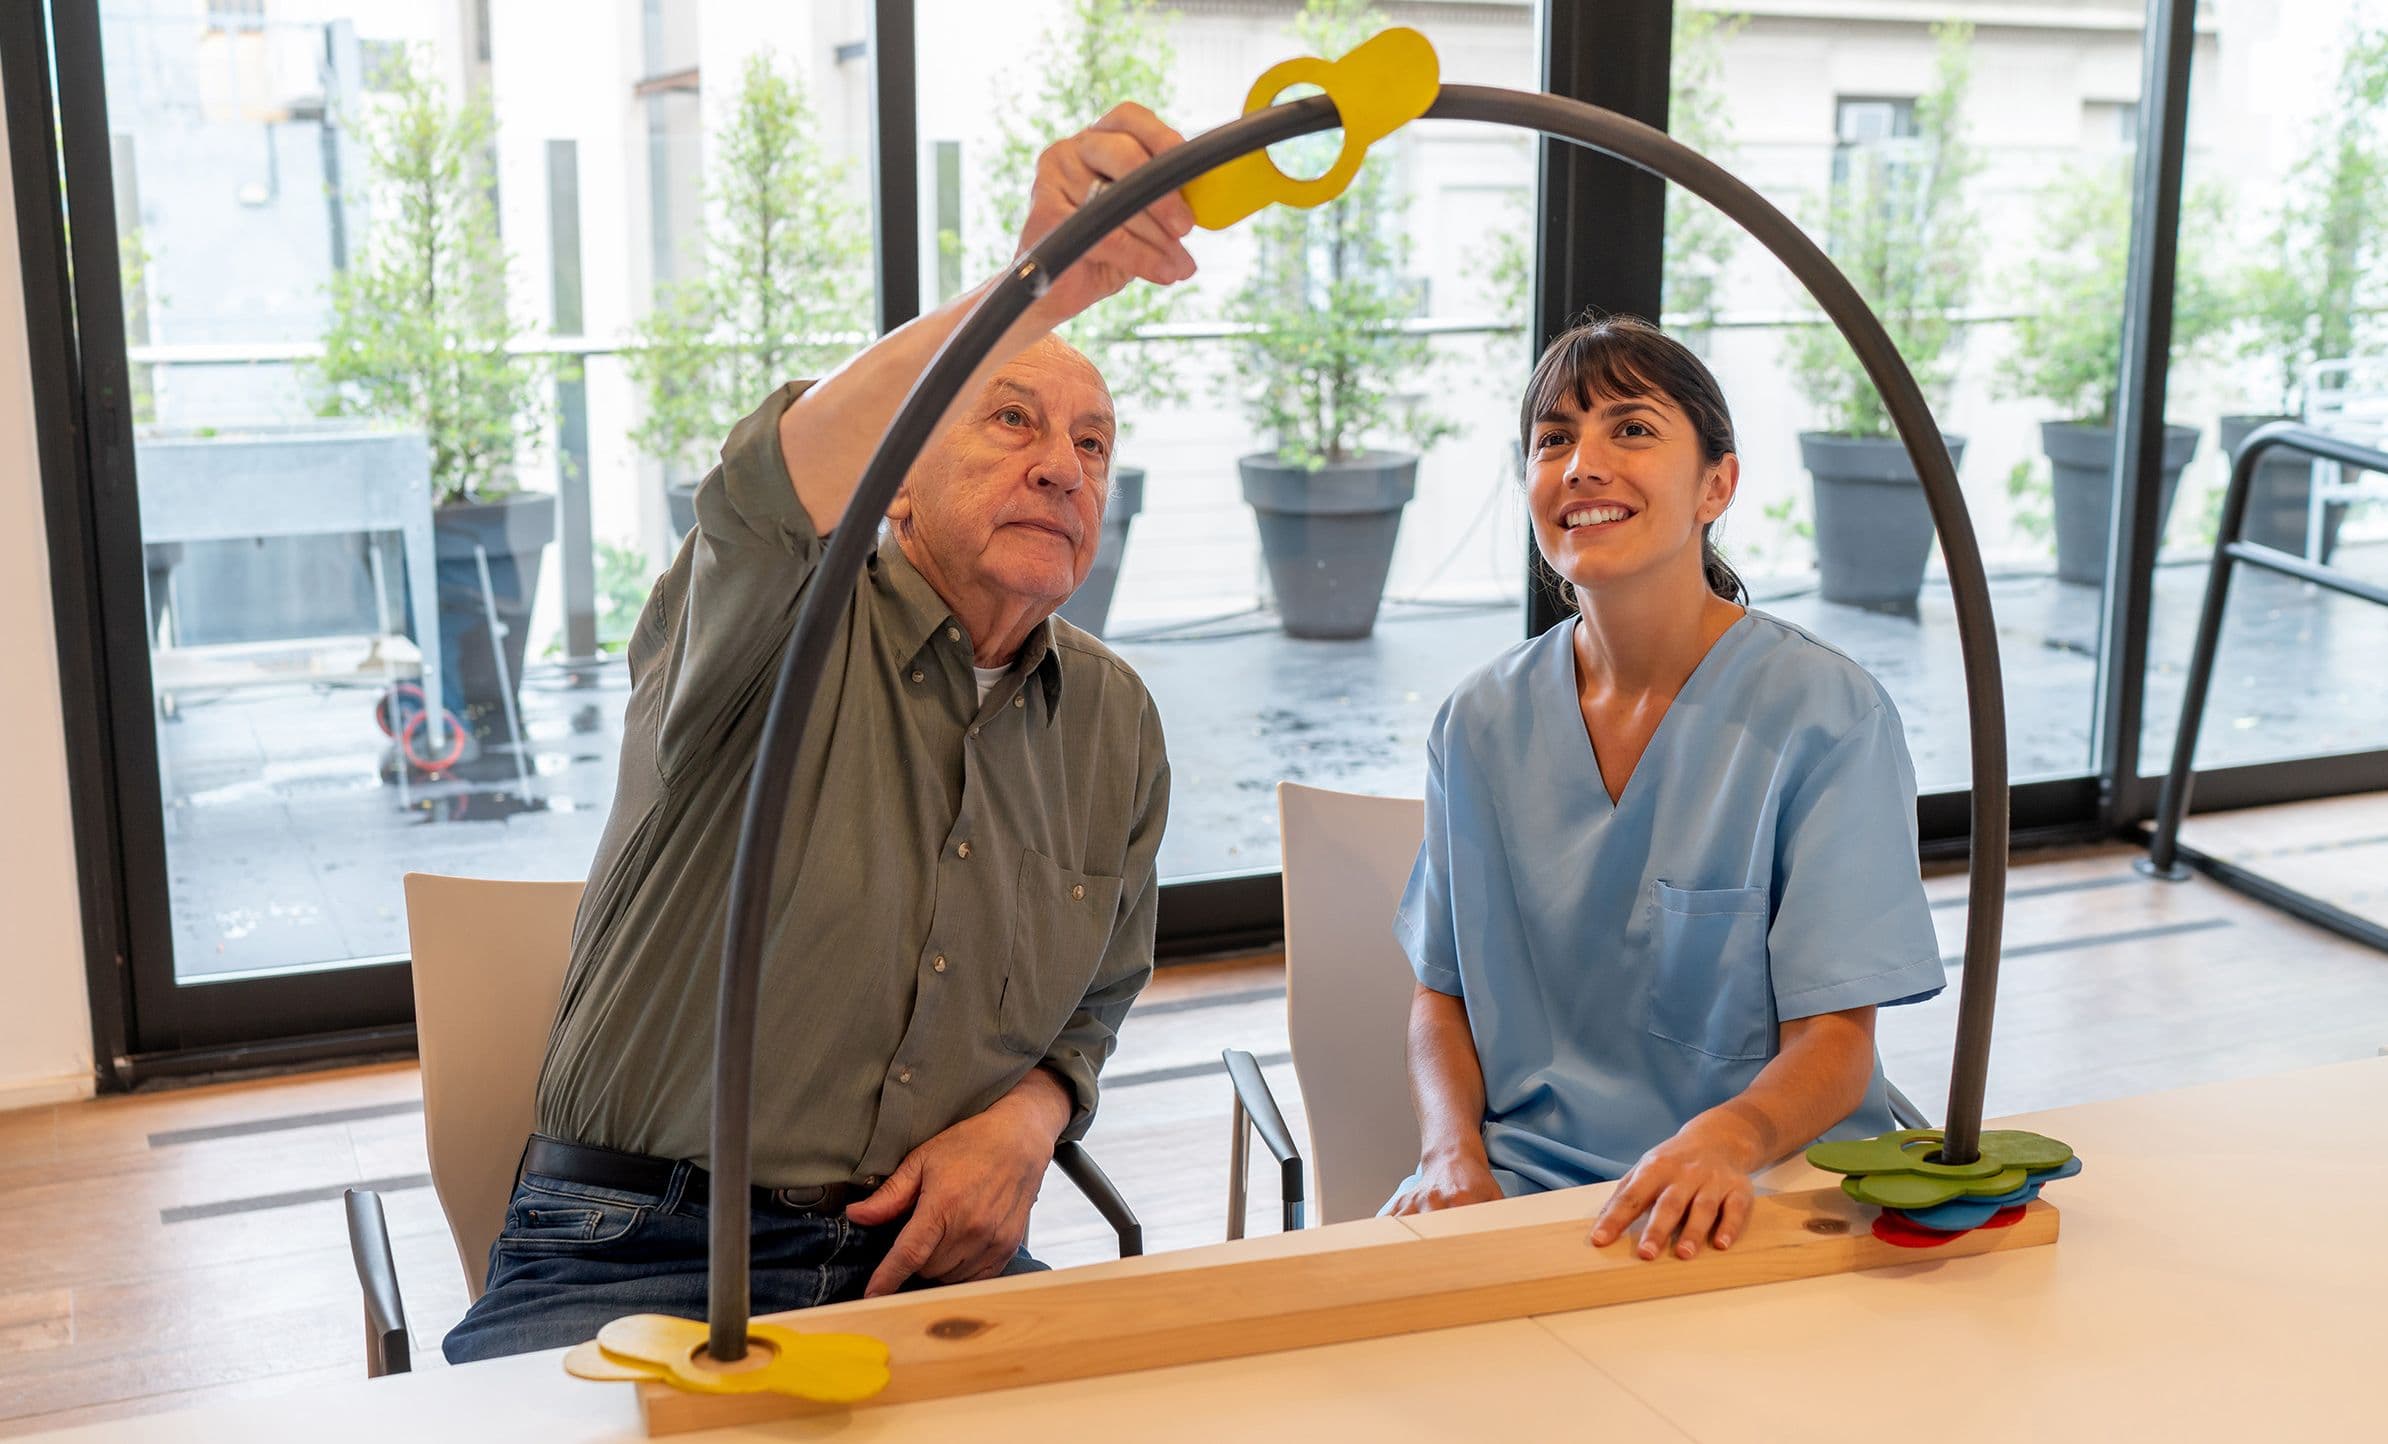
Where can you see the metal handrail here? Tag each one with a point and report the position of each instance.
(2164, 847)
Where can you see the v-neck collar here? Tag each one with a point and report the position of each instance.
(1563, 673)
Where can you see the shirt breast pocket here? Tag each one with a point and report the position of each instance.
(1061, 921)
(1709, 990)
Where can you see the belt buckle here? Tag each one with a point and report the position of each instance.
(811, 1196)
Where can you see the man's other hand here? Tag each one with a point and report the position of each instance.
(1148, 247)
(1448, 1181)
(968, 1190)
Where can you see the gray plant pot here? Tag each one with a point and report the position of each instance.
(1873, 527)
(2081, 468)
(2277, 496)
(1089, 607)
(679, 505)
(514, 533)
(1328, 536)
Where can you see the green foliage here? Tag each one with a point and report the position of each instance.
(133, 260)
(1700, 240)
(1786, 533)
(2069, 338)
(419, 328)
(625, 575)
(1898, 227)
(2031, 498)
(1101, 54)
(1505, 269)
(1323, 367)
(2320, 294)
(781, 285)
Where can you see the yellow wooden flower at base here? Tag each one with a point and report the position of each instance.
(826, 1368)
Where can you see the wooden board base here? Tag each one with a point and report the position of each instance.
(1015, 1332)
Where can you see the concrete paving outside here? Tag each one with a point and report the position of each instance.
(285, 846)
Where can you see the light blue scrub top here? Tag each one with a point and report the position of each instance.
(1625, 966)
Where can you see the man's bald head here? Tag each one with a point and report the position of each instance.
(1052, 351)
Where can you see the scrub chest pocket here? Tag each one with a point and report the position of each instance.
(1710, 990)
(1061, 921)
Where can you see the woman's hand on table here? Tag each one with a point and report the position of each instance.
(1696, 1185)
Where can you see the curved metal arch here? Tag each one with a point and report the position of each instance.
(831, 590)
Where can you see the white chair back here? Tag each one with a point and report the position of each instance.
(1348, 989)
(489, 963)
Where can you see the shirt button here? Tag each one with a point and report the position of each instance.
(1078, 892)
(963, 851)
(903, 1075)
(1019, 699)
(974, 731)
(953, 634)
(938, 963)
(918, 675)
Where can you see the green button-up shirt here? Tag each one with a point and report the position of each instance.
(976, 898)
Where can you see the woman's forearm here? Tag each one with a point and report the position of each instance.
(1446, 1078)
(1818, 1079)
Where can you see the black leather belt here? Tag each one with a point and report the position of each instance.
(611, 1168)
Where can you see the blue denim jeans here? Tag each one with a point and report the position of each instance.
(572, 1259)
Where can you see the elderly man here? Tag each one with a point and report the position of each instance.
(981, 789)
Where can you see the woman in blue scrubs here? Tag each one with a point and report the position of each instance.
(1670, 859)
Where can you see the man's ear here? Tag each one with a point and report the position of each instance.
(1724, 479)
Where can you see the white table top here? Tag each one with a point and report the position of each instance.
(2188, 1299)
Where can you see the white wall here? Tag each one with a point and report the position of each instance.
(45, 1020)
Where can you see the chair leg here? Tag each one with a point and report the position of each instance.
(1256, 1111)
(1239, 1166)
(1903, 1110)
(1078, 1165)
(387, 1347)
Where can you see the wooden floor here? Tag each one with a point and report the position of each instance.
(162, 1249)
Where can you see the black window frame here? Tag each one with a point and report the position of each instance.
(1615, 55)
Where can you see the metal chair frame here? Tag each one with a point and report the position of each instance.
(2169, 859)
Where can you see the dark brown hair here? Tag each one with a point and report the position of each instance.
(1623, 356)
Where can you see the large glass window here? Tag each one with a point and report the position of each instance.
(2281, 310)
(1280, 640)
(429, 310)
(1974, 184)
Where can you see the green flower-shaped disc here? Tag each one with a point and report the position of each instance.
(1895, 1170)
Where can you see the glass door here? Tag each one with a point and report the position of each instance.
(431, 315)
(1975, 186)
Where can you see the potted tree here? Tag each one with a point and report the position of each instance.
(781, 284)
(419, 334)
(1324, 362)
(2068, 351)
(2318, 295)
(1896, 224)
(1105, 52)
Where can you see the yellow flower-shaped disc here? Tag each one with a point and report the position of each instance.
(826, 1368)
(1384, 83)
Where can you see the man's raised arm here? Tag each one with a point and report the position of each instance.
(829, 433)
